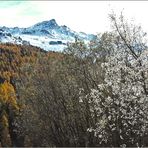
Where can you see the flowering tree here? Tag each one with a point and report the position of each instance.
(120, 104)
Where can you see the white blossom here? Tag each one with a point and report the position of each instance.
(121, 101)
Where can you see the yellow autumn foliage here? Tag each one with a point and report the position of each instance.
(7, 95)
(4, 121)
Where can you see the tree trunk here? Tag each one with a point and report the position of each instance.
(16, 139)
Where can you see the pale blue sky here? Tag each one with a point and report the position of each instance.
(86, 16)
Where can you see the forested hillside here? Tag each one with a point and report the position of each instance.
(89, 95)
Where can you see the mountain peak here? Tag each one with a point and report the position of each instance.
(53, 21)
(51, 24)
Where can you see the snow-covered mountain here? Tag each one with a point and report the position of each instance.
(47, 35)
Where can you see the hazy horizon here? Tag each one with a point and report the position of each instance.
(81, 16)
